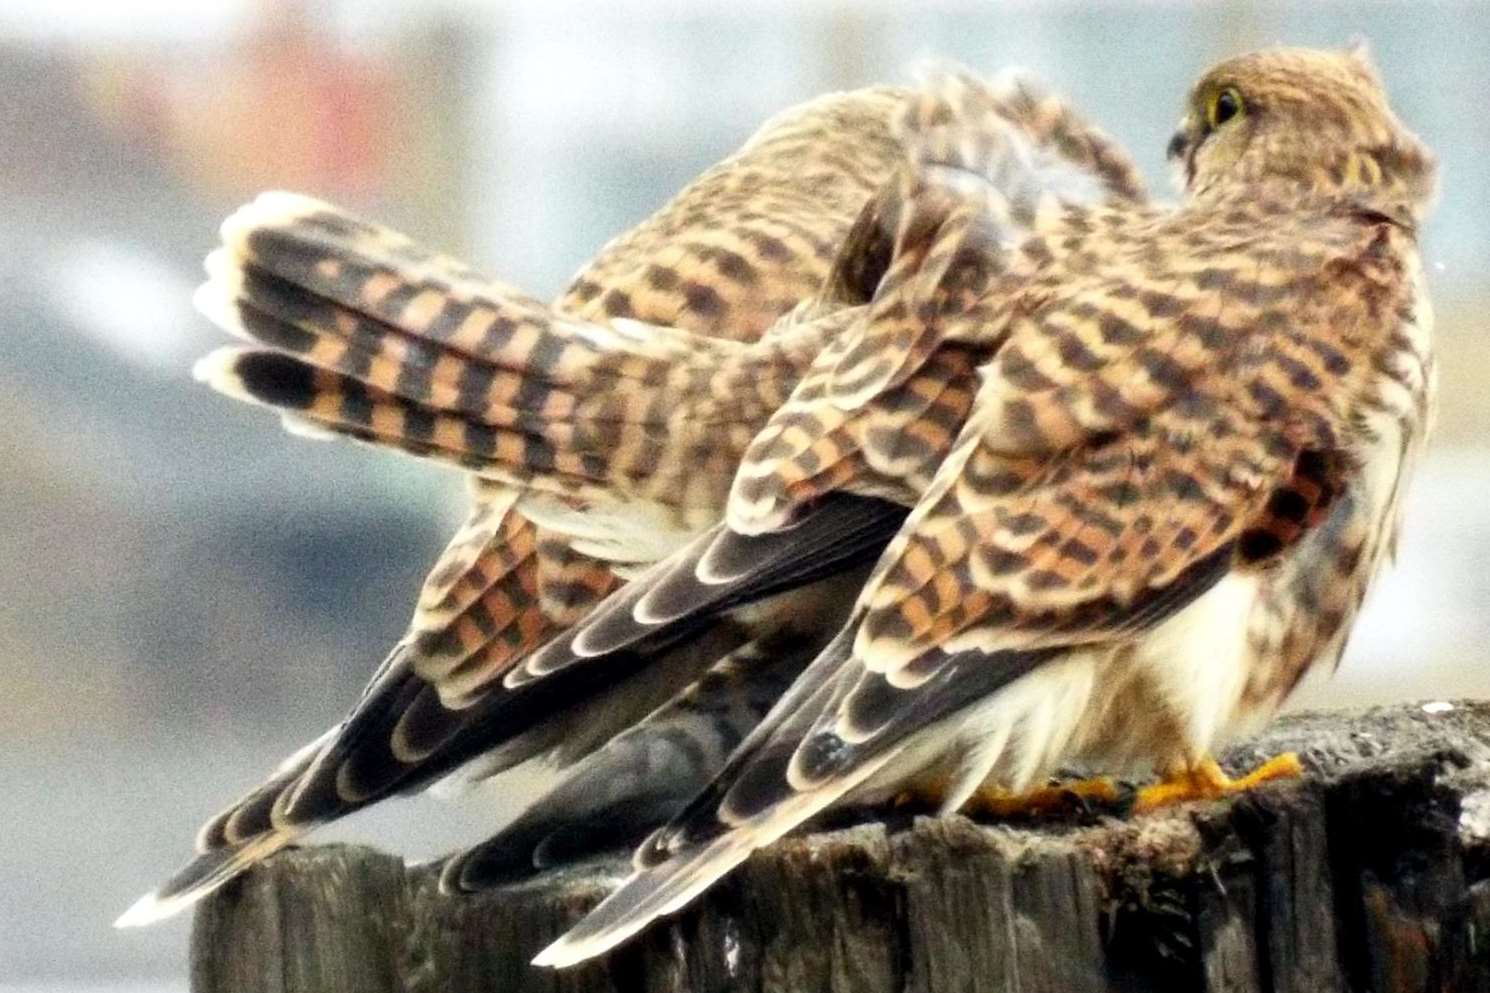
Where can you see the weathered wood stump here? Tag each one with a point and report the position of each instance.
(1372, 874)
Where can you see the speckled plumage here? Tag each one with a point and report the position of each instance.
(601, 434)
(377, 338)
(1179, 470)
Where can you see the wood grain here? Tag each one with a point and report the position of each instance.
(1373, 873)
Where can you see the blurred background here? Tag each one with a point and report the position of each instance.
(188, 593)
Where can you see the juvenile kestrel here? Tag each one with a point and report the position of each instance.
(1181, 466)
(582, 469)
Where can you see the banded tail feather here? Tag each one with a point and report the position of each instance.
(345, 339)
(357, 331)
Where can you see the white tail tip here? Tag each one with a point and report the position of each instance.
(271, 208)
(216, 370)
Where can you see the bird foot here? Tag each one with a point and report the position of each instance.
(1055, 798)
(1208, 781)
(1042, 801)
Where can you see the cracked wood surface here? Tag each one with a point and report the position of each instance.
(1370, 874)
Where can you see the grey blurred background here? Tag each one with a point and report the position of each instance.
(188, 593)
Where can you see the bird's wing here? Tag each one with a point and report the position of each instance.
(856, 707)
(755, 235)
(963, 231)
(638, 780)
(949, 238)
(1022, 548)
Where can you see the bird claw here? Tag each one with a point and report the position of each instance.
(1043, 801)
(1208, 781)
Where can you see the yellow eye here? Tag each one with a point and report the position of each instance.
(1224, 104)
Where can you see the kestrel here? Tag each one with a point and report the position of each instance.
(583, 471)
(1182, 462)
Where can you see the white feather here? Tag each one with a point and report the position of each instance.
(1198, 661)
(632, 532)
(1020, 734)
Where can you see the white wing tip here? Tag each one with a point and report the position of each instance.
(564, 952)
(683, 880)
(541, 663)
(217, 298)
(223, 266)
(555, 956)
(148, 909)
(756, 517)
(646, 612)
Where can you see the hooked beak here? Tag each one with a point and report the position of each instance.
(1176, 145)
(1181, 152)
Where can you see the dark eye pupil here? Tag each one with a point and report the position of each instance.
(1227, 106)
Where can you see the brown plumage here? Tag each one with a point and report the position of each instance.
(377, 338)
(1181, 465)
(601, 434)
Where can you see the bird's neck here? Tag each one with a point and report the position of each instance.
(1395, 178)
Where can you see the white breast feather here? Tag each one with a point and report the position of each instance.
(1198, 661)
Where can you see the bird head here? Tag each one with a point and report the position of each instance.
(1316, 119)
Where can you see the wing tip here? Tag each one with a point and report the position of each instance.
(149, 909)
(627, 910)
(214, 365)
(199, 877)
(223, 265)
(559, 955)
(647, 895)
(568, 950)
(263, 377)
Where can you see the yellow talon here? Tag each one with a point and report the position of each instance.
(991, 801)
(1208, 781)
(994, 802)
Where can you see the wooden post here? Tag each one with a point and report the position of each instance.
(1373, 873)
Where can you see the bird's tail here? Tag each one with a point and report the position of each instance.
(356, 330)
